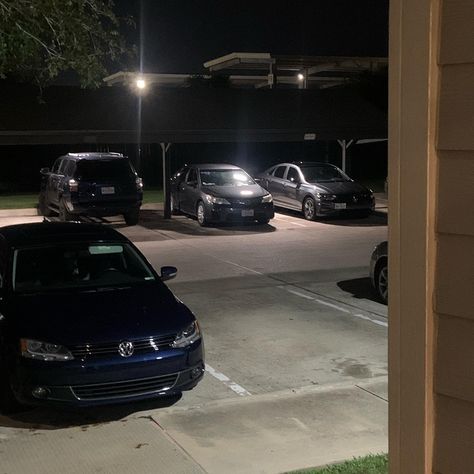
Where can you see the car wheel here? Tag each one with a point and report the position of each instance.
(381, 281)
(63, 213)
(309, 209)
(201, 214)
(43, 207)
(131, 217)
(263, 220)
(173, 207)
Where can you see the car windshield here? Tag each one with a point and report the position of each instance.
(78, 266)
(118, 169)
(323, 173)
(225, 178)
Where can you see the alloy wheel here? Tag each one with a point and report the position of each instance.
(382, 283)
(309, 209)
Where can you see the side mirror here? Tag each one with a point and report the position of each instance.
(167, 273)
(44, 170)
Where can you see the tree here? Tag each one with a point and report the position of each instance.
(41, 38)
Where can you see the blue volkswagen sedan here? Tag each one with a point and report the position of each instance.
(86, 320)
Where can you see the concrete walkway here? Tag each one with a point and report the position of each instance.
(268, 433)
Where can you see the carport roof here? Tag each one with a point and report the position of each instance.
(70, 115)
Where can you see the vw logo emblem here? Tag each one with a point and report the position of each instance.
(125, 349)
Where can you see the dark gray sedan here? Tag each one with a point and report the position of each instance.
(316, 189)
(219, 193)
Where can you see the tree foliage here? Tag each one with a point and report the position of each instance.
(41, 38)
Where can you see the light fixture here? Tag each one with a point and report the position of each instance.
(140, 83)
(300, 76)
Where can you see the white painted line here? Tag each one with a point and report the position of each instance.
(278, 218)
(297, 293)
(235, 387)
(242, 267)
(339, 308)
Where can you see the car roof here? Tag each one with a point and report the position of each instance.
(215, 166)
(23, 235)
(94, 156)
(303, 163)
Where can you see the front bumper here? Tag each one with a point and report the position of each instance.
(330, 208)
(110, 380)
(220, 213)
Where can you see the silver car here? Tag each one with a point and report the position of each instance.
(316, 189)
(379, 270)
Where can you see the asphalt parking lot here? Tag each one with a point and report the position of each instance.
(296, 353)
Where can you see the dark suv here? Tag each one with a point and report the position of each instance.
(92, 184)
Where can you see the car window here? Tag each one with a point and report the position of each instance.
(180, 175)
(78, 265)
(223, 177)
(69, 168)
(63, 166)
(192, 176)
(293, 175)
(114, 169)
(323, 174)
(56, 165)
(279, 172)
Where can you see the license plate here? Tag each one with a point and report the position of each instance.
(339, 205)
(247, 213)
(107, 190)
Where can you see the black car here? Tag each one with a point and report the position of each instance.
(219, 193)
(86, 320)
(92, 184)
(316, 189)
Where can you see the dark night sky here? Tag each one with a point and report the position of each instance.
(179, 35)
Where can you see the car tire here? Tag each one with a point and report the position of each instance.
(263, 220)
(201, 214)
(381, 280)
(63, 213)
(43, 207)
(309, 209)
(131, 217)
(174, 210)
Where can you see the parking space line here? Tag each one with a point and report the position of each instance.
(337, 307)
(277, 217)
(235, 387)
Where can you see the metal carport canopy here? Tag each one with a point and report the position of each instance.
(70, 115)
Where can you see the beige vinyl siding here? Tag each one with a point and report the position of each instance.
(454, 278)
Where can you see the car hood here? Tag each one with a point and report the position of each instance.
(340, 187)
(235, 192)
(105, 316)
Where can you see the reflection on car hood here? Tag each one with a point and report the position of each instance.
(340, 187)
(111, 315)
(235, 192)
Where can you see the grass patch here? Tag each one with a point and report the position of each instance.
(151, 196)
(372, 464)
(30, 200)
(18, 201)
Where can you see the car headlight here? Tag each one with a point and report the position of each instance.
(215, 200)
(326, 197)
(44, 350)
(267, 198)
(189, 335)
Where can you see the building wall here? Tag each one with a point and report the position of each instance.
(431, 236)
(454, 277)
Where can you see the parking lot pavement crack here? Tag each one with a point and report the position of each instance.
(173, 440)
(372, 393)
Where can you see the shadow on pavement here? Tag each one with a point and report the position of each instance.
(46, 418)
(360, 288)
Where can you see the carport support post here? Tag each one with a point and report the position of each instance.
(166, 179)
(344, 145)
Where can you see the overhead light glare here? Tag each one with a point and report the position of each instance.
(141, 84)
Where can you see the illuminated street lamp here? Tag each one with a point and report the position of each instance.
(140, 83)
(300, 76)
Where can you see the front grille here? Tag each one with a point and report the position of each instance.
(360, 198)
(244, 202)
(140, 346)
(127, 388)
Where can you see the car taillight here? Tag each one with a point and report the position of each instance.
(139, 183)
(73, 186)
